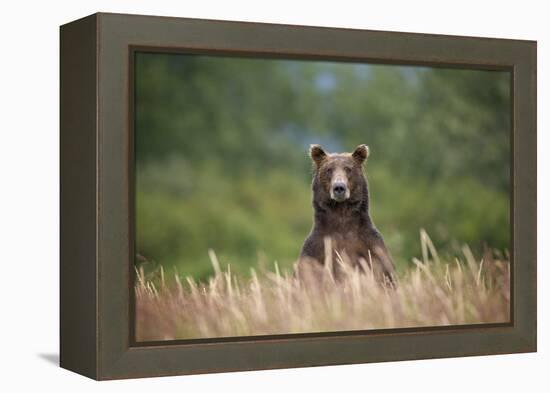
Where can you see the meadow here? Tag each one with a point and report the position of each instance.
(434, 292)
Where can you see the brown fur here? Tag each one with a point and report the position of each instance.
(347, 222)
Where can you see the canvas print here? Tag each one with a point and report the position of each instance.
(286, 196)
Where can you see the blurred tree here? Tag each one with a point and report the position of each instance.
(221, 149)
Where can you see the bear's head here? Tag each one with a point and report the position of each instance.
(339, 177)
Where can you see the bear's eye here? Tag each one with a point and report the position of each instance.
(347, 169)
(328, 171)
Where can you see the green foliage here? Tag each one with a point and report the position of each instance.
(241, 220)
(221, 155)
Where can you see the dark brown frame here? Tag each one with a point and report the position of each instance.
(97, 201)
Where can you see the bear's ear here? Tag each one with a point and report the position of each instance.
(317, 154)
(361, 153)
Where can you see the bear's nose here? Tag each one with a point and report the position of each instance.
(339, 189)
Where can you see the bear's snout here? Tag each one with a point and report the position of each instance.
(339, 191)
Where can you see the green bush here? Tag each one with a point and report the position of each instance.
(221, 151)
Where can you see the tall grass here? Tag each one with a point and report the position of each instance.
(433, 292)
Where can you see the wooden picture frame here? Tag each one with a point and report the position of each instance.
(97, 203)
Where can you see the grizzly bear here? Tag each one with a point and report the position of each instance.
(341, 217)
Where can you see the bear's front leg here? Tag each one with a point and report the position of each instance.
(379, 259)
(310, 266)
(313, 249)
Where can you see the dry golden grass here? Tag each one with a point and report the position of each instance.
(433, 293)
